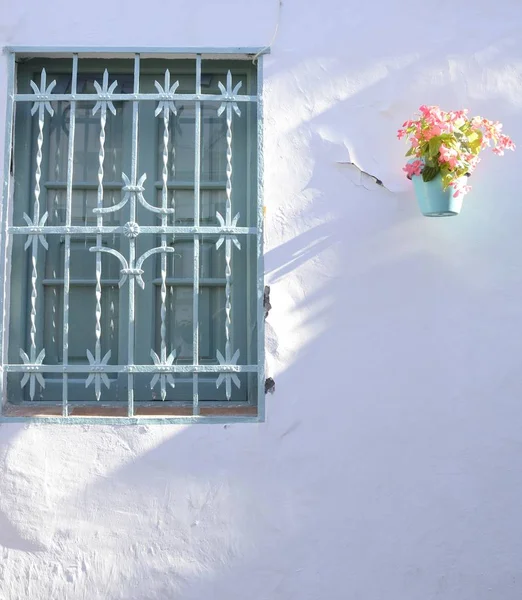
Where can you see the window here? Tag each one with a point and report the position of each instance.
(134, 281)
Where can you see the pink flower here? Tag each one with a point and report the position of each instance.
(448, 155)
(432, 113)
(453, 132)
(413, 168)
(461, 191)
(472, 160)
(461, 114)
(505, 142)
(432, 131)
(459, 188)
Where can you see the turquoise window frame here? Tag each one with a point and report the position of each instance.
(227, 369)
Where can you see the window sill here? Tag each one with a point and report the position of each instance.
(118, 415)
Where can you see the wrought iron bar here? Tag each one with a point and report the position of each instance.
(132, 239)
(105, 92)
(172, 184)
(67, 249)
(132, 97)
(99, 222)
(195, 292)
(41, 105)
(92, 229)
(170, 281)
(228, 106)
(38, 367)
(165, 107)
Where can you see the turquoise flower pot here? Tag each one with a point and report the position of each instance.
(433, 200)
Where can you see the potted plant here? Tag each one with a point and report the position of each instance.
(444, 152)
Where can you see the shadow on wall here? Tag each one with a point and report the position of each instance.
(355, 90)
(373, 459)
(362, 465)
(11, 536)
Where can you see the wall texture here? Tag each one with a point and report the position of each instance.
(389, 467)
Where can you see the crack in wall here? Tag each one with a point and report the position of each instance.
(376, 179)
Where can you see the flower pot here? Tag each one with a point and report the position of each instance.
(433, 200)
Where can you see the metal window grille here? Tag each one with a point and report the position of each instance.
(23, 381)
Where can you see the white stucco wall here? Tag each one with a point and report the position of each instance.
(390, 464)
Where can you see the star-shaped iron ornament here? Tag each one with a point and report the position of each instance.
(162, 377)
(167, 93)
(98, 377)
(228, 378)
(34, 237)
(221, 220)
(43, 95)
(228, 92)
(32, 378)
(104, 95)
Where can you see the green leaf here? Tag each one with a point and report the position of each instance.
(475, 141)
(453, 143)
(434, 146)
(429, 173)
(446, 178)
(410, 152)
